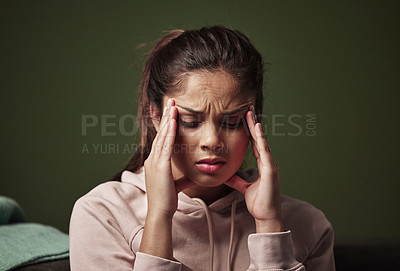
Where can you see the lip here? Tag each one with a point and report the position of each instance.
(211, 160)
(210, 165)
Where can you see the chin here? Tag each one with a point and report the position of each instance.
(208, 180)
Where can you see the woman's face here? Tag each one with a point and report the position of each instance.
(212, 135)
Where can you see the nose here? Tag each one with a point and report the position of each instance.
(211, 138)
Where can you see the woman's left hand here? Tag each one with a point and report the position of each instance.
(262, 196)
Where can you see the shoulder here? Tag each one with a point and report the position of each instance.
(130, 189)
(108, 193)
(112, 201)
(294, 209)
(110, 215)
(307, 223)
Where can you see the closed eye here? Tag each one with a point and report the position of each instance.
(233, 125)
(189, 124)
(227, 123)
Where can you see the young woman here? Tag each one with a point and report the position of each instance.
(182, 203)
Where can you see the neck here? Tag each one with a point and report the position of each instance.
(208, 194)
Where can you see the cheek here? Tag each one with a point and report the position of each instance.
(238, 138)
(185, 138)
(237, 143)
(185, 146)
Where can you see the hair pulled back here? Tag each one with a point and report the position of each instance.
(180, 52)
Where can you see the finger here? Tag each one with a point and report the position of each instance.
(259, 144)
(255, 122)
(158, 142)
(254, 147)
(263, 148)
(166, 116)
(276, 166)
(250, 117)
(238, 183)
(169, 141)
(183, 183)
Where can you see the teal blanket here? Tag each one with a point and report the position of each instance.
(27, 243)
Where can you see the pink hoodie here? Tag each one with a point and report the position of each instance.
(107, 225)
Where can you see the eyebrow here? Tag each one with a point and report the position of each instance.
(224, 113)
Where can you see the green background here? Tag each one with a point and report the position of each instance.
(339, 60)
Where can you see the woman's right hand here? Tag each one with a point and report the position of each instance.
(161, 187)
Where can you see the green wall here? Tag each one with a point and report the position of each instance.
(338, 60)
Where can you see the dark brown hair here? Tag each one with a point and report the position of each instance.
(180, 52)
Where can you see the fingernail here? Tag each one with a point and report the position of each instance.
(254, 113)
(169, 103)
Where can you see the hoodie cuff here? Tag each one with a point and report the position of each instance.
(271, 251)
(145, 261)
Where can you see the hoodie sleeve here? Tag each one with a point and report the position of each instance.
(272, 251)
(149, 262)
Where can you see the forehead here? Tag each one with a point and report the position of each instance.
(204, 89)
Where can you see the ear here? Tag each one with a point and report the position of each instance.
(155, 115)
